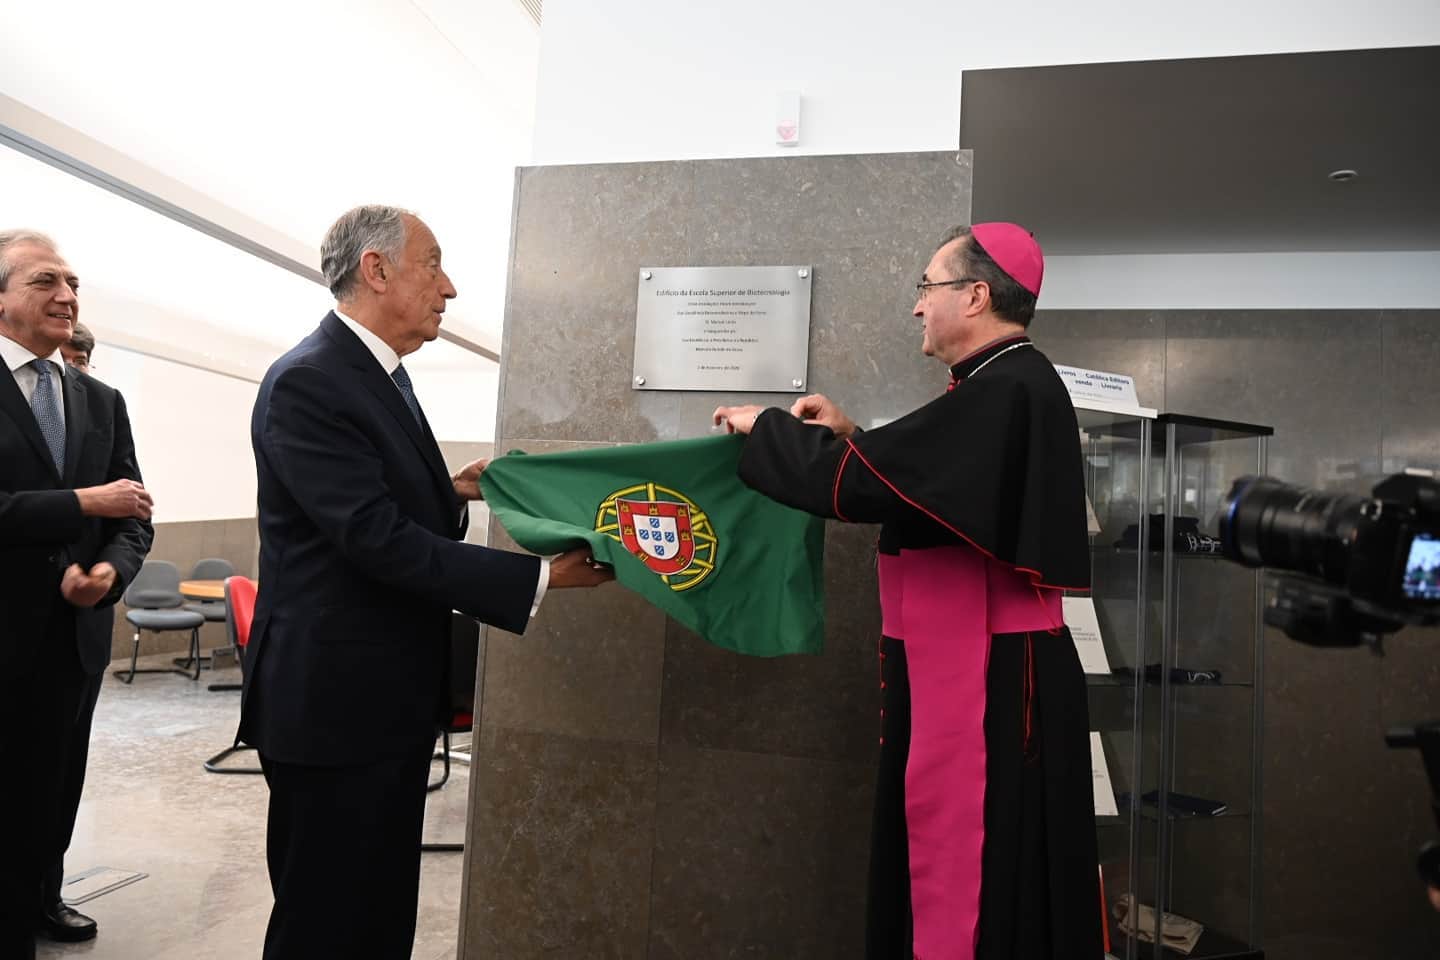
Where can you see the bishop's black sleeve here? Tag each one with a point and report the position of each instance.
(807, 467)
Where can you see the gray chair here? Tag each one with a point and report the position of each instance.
(211, 568)
(156, 605)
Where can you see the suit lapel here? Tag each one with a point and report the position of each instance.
(378, 382)
(12, 402)
(77, 412)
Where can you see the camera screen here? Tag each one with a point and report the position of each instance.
(1422, 569)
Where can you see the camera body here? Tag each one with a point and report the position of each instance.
(1355, 568)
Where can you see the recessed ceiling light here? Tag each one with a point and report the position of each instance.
(1343, 176)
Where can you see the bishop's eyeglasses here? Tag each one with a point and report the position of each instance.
(922, 289)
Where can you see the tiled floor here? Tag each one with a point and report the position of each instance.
(149, 806)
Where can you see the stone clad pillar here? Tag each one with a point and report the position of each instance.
(635, 792)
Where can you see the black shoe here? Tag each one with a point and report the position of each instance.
(65, 924)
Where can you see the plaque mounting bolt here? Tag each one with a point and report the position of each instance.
(639, 381)
(803, 274)
(797, 383)
(644, 274)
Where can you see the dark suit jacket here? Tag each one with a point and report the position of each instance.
(42, 530)
(359, 563)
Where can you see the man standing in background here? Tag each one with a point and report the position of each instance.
(80, 348)
(74, 530)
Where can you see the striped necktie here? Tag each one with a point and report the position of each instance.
(407, 390)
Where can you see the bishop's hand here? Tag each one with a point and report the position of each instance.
(818, 408)
(737, 419)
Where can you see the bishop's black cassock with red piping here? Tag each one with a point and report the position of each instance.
(984, 835)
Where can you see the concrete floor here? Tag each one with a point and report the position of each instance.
(149, 806)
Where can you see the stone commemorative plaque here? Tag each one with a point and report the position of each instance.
(734, 329)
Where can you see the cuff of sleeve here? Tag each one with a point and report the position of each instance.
(541, 585)
(72, 518)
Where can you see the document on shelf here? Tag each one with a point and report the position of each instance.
(1092, 522)
(1085, 630)
(1105, 805)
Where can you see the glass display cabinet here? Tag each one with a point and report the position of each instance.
(1175, 694)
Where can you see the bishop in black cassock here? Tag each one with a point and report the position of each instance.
(984, 837)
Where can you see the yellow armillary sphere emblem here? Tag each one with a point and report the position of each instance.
(664, 530)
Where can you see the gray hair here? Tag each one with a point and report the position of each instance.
(371, 227)
(9, 238)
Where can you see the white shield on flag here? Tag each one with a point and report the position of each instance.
(657, 536)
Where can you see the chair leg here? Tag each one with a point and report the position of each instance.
(213, 764)
(195, 651)
(134, 655)
(128, 676)
(240, 659)
(442, 848)
(187, 661)
(445, 755)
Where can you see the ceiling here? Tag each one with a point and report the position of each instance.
(1223, 154)
(426, 104)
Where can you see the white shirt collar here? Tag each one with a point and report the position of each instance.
(17, 356)
(386, 357)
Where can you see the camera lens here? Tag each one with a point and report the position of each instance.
(1264, 522)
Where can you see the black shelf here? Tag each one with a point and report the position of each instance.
(1148, 812)
(1223, 426)
(1101, 681)
(1213, 945)
(1131, 551)
(1188, 429)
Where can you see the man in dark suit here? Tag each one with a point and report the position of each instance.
(360, 568)
(74, 529)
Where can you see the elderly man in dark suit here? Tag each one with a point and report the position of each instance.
(361, 565)
(74, 529)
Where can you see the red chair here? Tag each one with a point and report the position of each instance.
(239, 615)
(464, 655)
(460, 722)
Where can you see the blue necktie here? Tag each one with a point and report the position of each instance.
(46, 407)
(402, 380)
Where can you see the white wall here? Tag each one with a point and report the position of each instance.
(292, 113)
(1240, 281)
(627, 80)
(458, 392)
(192, 435)
(192, 427)
(630, 80)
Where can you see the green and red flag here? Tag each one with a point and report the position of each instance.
(681, 530)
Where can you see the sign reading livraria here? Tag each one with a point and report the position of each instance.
(722, 328)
